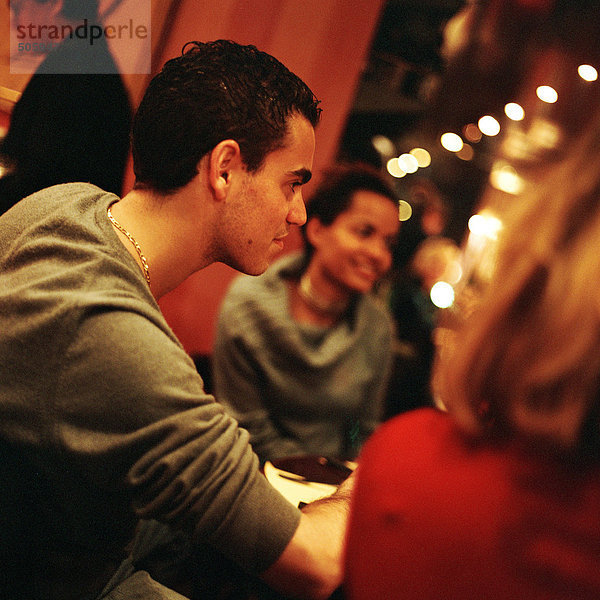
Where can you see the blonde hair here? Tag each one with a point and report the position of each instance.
(528, 359)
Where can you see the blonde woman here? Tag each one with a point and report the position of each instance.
(500, 498)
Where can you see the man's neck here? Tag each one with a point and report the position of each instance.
(171, 237)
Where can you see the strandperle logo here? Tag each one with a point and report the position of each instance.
(117, 40)
(85, 31)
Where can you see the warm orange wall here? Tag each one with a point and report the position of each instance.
(325, 42)
(4, 120)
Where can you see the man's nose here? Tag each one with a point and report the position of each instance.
(297, 214)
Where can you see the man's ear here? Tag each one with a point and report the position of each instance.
(225, 159)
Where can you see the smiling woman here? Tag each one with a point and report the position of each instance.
(302, 354)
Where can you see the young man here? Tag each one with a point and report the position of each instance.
(103, 418)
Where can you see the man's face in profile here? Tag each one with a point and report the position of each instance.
(269, 201)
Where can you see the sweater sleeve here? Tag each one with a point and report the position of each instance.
(141, 422)
(239, 384)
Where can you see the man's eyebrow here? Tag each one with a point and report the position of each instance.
(304, 174)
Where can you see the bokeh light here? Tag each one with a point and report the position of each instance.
(514, 111)
(383, 145)
(451, 141)
(423, 157)
(404, 210)
(547, 94)
(472, 133)
(485, 225)
(505, 178)
(394, 168)
(466, 152)
(442, 294)
(587, 72)
(489, 125)
(545, 133)
(453, 273)
(408, 163)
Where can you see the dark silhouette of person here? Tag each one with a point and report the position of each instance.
(73, 119)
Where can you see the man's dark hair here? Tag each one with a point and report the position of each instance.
(212, 92)
(335, 191)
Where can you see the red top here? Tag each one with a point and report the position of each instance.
(436, 516)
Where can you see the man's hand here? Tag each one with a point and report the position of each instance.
(311, 566)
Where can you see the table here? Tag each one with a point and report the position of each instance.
(303, 479)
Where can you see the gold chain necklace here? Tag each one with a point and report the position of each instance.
(132, 240)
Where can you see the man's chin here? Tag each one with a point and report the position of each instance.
(256, 266)
(254, 269)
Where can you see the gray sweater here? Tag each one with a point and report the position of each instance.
(103, 417)
(297, 388)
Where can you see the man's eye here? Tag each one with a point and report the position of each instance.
(295, 185)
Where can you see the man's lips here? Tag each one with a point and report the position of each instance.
(279, 238)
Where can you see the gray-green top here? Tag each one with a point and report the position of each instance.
(297, 388)
(103, 417)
